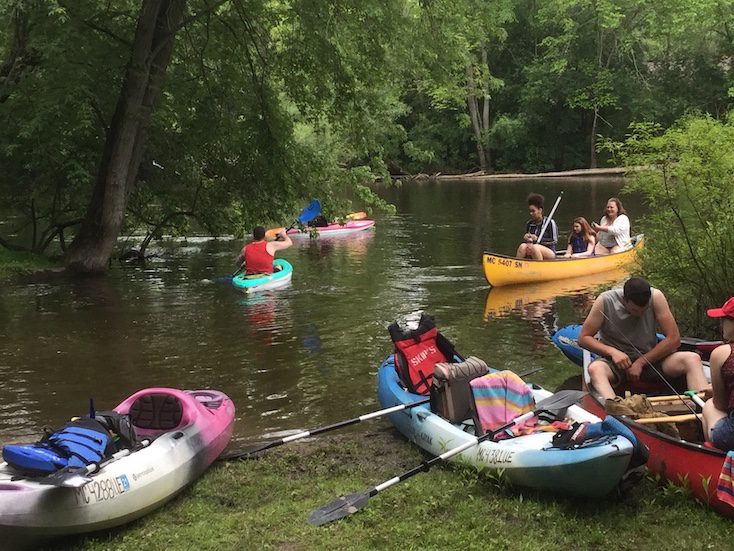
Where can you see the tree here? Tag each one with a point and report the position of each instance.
(151, 50)
(263, 106)
(686, 183)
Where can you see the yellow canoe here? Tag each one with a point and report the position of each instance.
(507, 270)
(531, 298)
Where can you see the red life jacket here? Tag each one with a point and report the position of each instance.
(257, 259)
(417, 352)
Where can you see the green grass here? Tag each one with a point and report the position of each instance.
(14, 262)
(264, 503)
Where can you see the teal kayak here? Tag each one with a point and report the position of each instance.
(281, 276)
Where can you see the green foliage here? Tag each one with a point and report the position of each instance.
(14, 262)
(269, 104)
(686, 179)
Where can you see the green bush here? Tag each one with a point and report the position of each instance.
(686, 175)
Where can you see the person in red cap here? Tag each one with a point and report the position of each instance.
(718, 412)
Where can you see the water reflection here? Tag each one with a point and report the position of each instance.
(536, 299)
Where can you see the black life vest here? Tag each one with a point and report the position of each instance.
(418, 351)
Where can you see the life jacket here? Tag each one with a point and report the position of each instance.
(418, 351)
(257, 259)
(77, 444)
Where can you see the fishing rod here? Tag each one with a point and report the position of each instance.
(655, 370)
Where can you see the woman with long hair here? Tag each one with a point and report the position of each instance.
(582, 240)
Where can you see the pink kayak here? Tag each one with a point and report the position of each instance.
(351, 226)
(178, 435)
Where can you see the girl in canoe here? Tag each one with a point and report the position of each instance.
(538, 246)
(613, 231)
(718, 412)
(582, 240)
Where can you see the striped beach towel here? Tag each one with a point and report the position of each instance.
(725, 488)
(499, 397)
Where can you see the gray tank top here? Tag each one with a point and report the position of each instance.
(625, 328)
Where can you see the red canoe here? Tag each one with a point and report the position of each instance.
(683, 463)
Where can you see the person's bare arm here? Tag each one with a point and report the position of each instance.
(718, 357)
(591, 245)
(284, 243)
(668, 327)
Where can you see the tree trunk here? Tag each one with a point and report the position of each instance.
(594, 124)
(485, 113)
(92, 247)
(475, 120)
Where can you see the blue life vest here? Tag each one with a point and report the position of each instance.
(77, 444)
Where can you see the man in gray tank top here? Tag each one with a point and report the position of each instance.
(626, 320)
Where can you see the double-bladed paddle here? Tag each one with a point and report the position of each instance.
(245, 453)
(350, 504)
(307, 214)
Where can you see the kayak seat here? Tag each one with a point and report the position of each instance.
(156, 413)
(451, 395)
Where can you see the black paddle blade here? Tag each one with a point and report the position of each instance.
(245, 453)
(68, 478)
(561, 399)
(339, 508)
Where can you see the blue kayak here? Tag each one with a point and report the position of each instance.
(281, 276)
(530, 461)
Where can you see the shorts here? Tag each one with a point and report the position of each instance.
(722, 435)
(648, 375)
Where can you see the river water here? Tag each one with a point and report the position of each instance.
(306, 355)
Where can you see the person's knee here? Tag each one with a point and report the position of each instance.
(598, 370)
(691, 361)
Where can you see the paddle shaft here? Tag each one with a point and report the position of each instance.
(341, 424)
(672, 398)
(309, 213)
(424, 467)
(668, 419)
(549, 218)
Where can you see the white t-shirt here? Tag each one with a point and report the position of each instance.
(618, 234)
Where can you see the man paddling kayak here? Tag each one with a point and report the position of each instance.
(257, 257)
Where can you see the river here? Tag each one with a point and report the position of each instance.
(305, 355)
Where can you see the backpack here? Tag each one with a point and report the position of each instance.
(418, 351)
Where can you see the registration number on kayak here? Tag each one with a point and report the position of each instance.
(505, 262)
(102, 490)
